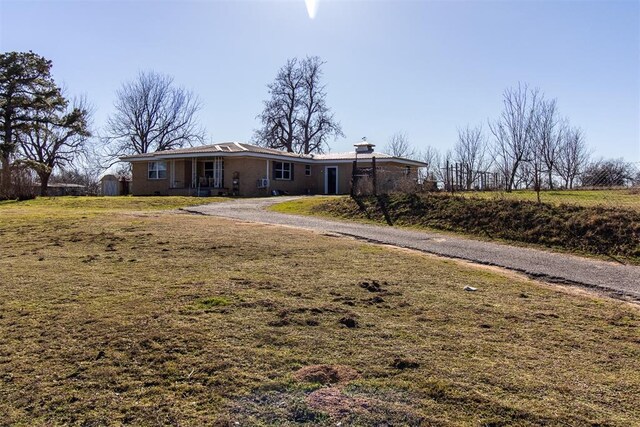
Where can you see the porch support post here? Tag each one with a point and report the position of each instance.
(268, 177)
(194, 172)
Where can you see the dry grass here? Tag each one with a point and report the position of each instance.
(156, 318)
(628, 198)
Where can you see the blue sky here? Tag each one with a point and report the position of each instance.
(422, 67)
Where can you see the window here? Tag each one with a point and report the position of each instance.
(157, 170)
(307, 170)
(283, 171)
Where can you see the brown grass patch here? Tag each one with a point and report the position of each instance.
(326, 374)
(337, 404)
(156, 319)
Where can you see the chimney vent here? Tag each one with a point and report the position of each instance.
(364, 146)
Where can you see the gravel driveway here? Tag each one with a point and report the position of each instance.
(613, 278)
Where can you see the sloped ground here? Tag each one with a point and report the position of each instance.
(152, 318)
(589, 229)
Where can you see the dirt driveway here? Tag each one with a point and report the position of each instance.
(613, 278)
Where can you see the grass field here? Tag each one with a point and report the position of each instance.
(145, 317)
(76, 205)
(624, 198)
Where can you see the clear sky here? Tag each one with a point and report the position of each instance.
(422, 67)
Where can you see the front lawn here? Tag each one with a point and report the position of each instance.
(146, 317)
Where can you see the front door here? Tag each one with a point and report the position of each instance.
(331, 180)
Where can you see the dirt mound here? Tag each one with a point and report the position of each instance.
(349, 322)
(326, 374)
(404, 363)
(373, 286)
(335, 403)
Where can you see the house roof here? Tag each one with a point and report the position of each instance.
(222, 147)
(235, 149)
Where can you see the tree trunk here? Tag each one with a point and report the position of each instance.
(44, 182)
(5, 187)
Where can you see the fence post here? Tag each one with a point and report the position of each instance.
(353, 178)
(375, 177)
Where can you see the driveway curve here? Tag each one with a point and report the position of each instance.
(612, 278)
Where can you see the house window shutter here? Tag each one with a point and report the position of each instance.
(273, 169)
(291, 173)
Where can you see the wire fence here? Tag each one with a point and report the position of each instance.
(608, 184)
(375, 180)
(613, 184)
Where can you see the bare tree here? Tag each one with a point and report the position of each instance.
(470, 151)
(316, 121)
(82, 174)
(573, 155)
(280, 115)
(399, 146)
(513, 131)
(549, 133)
(296, 118)
(608, 173)
(432, 172)
(56, 142)
(152, 115)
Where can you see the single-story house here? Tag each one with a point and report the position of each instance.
(242, 169)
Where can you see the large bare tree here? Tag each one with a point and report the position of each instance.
(296, 117)
(56, 142)
(513, 131)
(152, 114)
(316, 121)
(399, 145)
(280, 115)
(470, 151)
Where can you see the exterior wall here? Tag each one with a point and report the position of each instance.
(392, 170)
(250, 170)
(301, 184)
(143, 186)
(344, 177)
(179, 176)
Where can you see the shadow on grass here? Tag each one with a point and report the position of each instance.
(381, 204)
